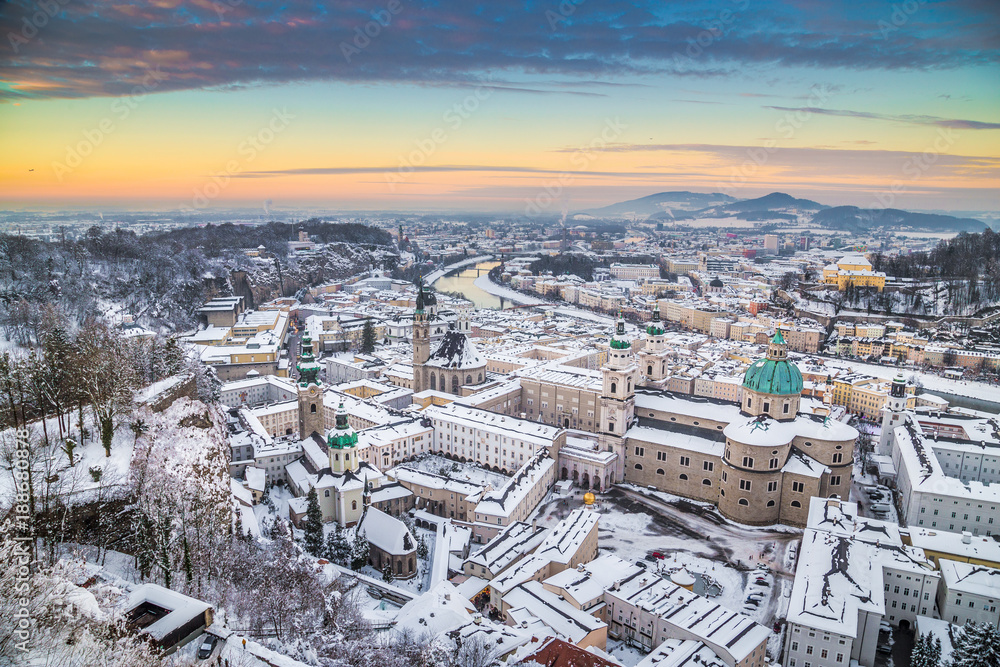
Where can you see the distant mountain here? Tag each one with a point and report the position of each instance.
(779, 207)
(852, 218)
(670, 204)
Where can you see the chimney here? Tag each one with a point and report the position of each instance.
(966, 537)
(478, 619)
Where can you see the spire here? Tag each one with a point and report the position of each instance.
(307, 366)
(420, 294)
(655, 327)
(342, 435)
(619, 341)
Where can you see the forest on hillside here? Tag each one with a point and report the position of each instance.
(161, 278)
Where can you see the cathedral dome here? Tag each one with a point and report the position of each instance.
(775, 374)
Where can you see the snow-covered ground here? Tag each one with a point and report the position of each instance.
(431, 277)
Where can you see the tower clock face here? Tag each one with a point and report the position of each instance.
(312, 391)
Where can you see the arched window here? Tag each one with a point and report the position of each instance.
(410, 564)
(433, 382)
(706, 482)
(683, 476)
(628, 385)
(770, 503)
(660, 471)
(480, 378)
(638, 466)
(454, 384)
(649, 369)
(399, 567)
(354, 504)
(744, 502)
(468, 379)
(326, 493)
(611, 427)
(614, 387)
(796, 503)
(767, 406)
(312, 408)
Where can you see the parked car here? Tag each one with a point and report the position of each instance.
(760, 581)
(657, 555)
(756, 596)
(751, 601)
(884, 627)
(777, 626)
(207, 646)
(884, 508)
(641, 563)
(883, 648)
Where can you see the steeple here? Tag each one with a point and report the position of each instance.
(308, 367)
(778, 348)
(619, 340)
(655, 327)
(342, 442)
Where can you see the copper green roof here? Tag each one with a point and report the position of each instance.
(770, 376)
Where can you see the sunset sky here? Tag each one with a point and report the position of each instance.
(455, 105)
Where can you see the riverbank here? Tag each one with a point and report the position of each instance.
(434, 276)
(484, 283)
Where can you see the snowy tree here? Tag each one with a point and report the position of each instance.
(368, 337)
(108, 377)
(920, 655)
(387, 572)
(360, 551)
(313, 526)
(475, 651)
(976, 645)
(421, 547)
(338, 549)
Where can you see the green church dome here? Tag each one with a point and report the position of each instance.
(775, 374)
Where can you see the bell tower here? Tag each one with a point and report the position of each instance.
(310, 393)
(618, 395)
(892, 413)
(421, 338)
(653, 358)
(342, 442)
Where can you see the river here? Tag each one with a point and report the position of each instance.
(463, 282)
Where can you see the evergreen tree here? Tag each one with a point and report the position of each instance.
(919, 656)
(421, 547)
(313, 525)
(368, 337)
(387, 572)
(173, 357)
(360, 551)
(976, 645)
(188, 570)
(338, 549)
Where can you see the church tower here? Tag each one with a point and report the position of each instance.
(653, 358)
(421, 339)
(310, 393)
(342, 442)
(892, 413)
(618, 395)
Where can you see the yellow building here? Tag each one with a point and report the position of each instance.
(853, 270)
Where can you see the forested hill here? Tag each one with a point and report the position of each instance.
(162, 278)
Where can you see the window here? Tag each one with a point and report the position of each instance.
(660, 471)
(823, 653)
(838, 457)
(809, 650)
(772, 464)
(683, 476)
(795, 646)
(835, 480)
(638, 466)
(784, 409)
(796, 503)
(744, 502)
(748, 402)
(725, 477)
(770, 503)
(614, 387)
(706, 482)
(640, 451)
(661, 456)
(798, 487)
(708, 465)
(772, 486)
(747, 461)
(744, 485)
(685, 460)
